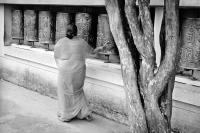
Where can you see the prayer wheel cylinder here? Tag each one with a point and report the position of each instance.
(104, 34)
(30, 26)
(17, 24)
(84, 26)
(62, 20)
(46, 33)
(190, 51)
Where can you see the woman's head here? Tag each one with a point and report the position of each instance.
(71, 30)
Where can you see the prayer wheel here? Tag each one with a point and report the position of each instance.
(30, 26)
(104, 35)
(190, 51)
(17, 24)
(62, 20)
(84, 26)
(46, 33)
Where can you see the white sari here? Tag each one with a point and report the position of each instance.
(70, 57)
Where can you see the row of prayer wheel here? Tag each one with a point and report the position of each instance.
(42, 27)
(27, 27)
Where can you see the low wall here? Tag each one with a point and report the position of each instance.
(35, 69)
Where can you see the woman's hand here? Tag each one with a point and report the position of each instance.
(98, 49)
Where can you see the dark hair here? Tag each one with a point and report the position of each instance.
(71, 30)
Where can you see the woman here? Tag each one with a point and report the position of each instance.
(70, 53)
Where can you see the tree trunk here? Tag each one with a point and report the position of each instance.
(148, 88)
(135, 110)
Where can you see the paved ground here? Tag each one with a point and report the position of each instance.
(25, 111)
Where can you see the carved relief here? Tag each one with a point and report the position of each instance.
(17, 24)
(62, 20)
(190, 52)
(46, 33)
(104, 35)
(30, 25)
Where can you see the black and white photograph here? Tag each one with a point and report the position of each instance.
(99, 66)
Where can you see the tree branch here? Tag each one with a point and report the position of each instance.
(146, 21)
(131, 14)
(147, 29)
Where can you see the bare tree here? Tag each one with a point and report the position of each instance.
(148, 87)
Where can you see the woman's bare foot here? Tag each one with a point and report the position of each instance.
(63, 120)
(60, 118)
(89, 118)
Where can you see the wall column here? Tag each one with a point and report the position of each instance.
(157, 28)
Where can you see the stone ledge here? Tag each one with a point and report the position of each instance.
(45, 58)
(187, 94)
(39, 56)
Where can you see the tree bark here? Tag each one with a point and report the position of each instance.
(149, 92)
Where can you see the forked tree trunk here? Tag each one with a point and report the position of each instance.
(148, 88)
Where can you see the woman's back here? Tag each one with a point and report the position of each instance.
(70, 53)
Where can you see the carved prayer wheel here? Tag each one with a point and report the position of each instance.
(104, 35)
(190, 52)
(17, 25)
(46, 32)
(62, 20)
(30, 26)
(84, 26)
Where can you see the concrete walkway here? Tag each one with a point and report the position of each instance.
(25, 111)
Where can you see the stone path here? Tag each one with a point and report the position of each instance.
(25, 111)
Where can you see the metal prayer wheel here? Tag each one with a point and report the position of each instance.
(84, 26)
(190, 51)
(104, 35)
(62, 20)
(30, 26)
(17, 25)
(46, 32)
